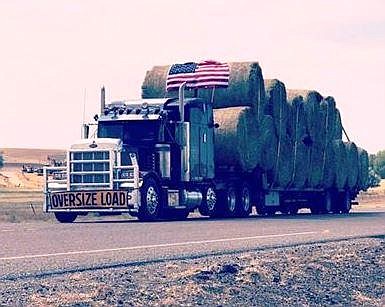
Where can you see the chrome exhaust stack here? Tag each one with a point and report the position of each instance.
(102, 100)
(184, 141)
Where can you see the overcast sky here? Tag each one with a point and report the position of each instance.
(56, 54)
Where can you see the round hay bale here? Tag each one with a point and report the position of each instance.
(154, 84)
(236, 139)
(316, 167)
(338, 126)
(283, 170)
(363, 169)
(328, 167)
(276, 105)
(340, 164)
(269, 142)
(245, 88)
(328, 115)
(311, 100)
(300, 141)
(352, 164)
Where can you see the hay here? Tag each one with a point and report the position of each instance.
(276, 105)
(298, 135)
(269, 142)
(154, 84)
(236, 142)
(328, 167)
(339, 164)
(328, 114)
(338, 126)
(245, 88)
(363, 169)
(311, 100)
(352, 164)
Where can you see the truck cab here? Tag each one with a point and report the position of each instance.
(151, 158)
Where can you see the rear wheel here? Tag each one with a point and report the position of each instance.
(151, 205)
(228, 201)
(323, 205)
(65, 217)
(244, 201)
(345, 202)
(209, 203)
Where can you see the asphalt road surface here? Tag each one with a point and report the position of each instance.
(43, 248)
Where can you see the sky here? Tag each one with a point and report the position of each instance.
(55, 56)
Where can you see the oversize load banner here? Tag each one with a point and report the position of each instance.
(90, 199)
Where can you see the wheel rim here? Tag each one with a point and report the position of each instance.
(211, 199)
(231, 201)
(152, 200)
(246, 199)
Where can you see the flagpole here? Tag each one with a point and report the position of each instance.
(212, 95)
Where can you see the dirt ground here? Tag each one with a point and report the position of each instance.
(345, 273)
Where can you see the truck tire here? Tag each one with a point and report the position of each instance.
(323, 204)
(151, 201)
(209, 205)
(244, 201)
(228, 201)
(65, 217)
(345, 204)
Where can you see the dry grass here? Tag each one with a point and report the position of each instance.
(29, 155)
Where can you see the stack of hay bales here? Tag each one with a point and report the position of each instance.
(238, 109)
(294, 136)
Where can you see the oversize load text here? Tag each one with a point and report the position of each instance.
(90, 199)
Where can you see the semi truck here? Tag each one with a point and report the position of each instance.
(154, 159)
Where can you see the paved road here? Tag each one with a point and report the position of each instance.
(48, 248)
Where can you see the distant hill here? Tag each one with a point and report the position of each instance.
(11, 176)
(30, 155)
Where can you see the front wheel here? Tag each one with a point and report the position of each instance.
(65, 217)
(150, 206)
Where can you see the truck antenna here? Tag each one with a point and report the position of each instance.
(84, 104)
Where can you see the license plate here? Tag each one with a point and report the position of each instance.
(90, 199)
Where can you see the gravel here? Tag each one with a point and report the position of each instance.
(350, 272)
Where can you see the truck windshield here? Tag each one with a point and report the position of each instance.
(132, 132)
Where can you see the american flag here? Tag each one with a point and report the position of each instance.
(198, 75)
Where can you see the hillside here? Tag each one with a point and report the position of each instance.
(11, 176)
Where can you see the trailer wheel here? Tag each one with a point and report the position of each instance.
(65, 217)
(151, 201)
(323, 205)
(244, 201)
(209, 203)
(228, 201)
(345, 202)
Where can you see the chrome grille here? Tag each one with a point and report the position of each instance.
(89, 169)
